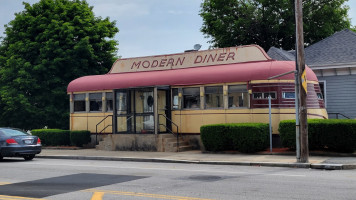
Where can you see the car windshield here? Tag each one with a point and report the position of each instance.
(12, 132)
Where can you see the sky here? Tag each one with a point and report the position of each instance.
(146, 27)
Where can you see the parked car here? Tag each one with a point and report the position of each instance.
(17, 143)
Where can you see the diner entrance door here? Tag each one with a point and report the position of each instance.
(142, 110)
(164, 109)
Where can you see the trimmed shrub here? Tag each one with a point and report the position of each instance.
(340, 135)
(244, 137)
(250, 137)
(79, 138)
(333, 134)
(287, 133)
(215, 137)
(52, 137)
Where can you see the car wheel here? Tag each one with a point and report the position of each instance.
(29, 157)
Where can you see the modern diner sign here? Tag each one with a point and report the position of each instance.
(220, 56)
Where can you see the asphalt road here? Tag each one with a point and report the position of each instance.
(83, 179)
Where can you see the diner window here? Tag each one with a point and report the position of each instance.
(121, 102)
(191, 98)
(175, 99)
(238, 96)
(288, 95)
(214, 97)
(264, 95)
(79, 102)
(95, 102)
(109, 101)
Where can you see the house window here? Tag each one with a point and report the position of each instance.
(320, 96)
(79, 102)
(109, 101)
(191, 98)
(322, 85)
(95, 102)
(238, 96)
(288, 95)
(264, 95)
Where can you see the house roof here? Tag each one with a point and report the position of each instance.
(280, 54)
(228, 73)
(338, 48)
(335, 49)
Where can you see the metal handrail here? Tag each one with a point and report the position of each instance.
(337, 115)
(96, 129)
(105, 128)
(171, 131)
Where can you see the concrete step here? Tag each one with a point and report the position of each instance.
(168, 135)
(185, 148)
(170, 139)
(181, 143)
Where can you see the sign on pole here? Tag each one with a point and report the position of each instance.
(304, 81)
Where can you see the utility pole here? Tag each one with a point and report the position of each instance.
(302, 86)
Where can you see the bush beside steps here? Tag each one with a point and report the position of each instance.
(58, 137)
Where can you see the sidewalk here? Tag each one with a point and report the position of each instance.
(325, 161)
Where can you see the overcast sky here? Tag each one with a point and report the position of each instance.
(147, 27)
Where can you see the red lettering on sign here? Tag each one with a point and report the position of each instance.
(170, 62)
(154, 63)
(231, 55)
(198, 59)
(205, 58)
(212, 58)
(136, 65)
(221, 57)
(163, 62)
(180, 61)
(146, 64)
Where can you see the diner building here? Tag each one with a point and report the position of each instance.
(159, 103)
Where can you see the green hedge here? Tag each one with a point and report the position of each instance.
(52, 137)
(58, 137)
(215, 137)
(79, 138)
(244, 137)
(333, 134)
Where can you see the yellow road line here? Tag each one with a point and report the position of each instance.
(4, 183)
(138, 194)
(4, 197)
(97, 196)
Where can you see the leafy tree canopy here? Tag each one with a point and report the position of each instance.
(270, 22)
(45, 47)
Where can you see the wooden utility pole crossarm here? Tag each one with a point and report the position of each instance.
(302, 96)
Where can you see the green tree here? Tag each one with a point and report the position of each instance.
(46, 46)
(270, 22)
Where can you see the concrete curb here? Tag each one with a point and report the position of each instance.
(242, 163)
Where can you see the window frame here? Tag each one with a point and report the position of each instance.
(83, 100)
(97, 100)
(244, 91)
(107, 99)
(220, 95)
(183, 99)
(263, 95)
(175, 96)
(323, 91)
(283, 95)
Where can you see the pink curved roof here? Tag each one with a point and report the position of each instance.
(241, 72)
